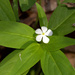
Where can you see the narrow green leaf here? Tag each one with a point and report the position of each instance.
(30, 56)
(58, 42)
(26, 4)
(22, 61)
(69, 1)
(42, 16)
(62, 20)
(15, 9)
(14, 34)
(56, 63)
(6, 13)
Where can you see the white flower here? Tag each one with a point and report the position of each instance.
(43, 33)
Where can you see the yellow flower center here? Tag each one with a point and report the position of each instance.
(43, 33)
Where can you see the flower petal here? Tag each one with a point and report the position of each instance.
(49, 33)
(38, 38)
(44, 29)
(45, 39)
(38, 31)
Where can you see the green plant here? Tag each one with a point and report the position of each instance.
(28, 51)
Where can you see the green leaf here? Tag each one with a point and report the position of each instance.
(58, 42)
(42, 16)
(22, 61)
(14, 34)
(7, 69)
(11, 55)
(70, 1)
(6, 13)
(26, 4)
(25, 73)
(62, 20)
(56, 63)
(15, 9)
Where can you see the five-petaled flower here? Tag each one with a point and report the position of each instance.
(42, 34)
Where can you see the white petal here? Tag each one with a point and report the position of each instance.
(45, 39)
(49, 33)
(38, 31)
(38, 38)
(44, 29)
